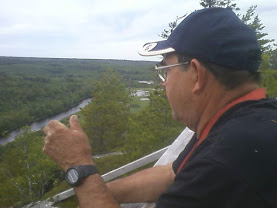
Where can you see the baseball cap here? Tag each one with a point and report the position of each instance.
(215, 35)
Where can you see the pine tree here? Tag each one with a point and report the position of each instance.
(208, 3)
(106, 116)
(254, 22)
(172, 25)
(228, 4)
(217, 3)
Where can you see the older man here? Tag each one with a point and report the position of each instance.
(210, 74)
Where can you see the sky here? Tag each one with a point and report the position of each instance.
(99, 29)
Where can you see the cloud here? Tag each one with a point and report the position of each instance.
(97, 28)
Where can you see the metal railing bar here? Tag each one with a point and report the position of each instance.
(117, 172)
(134, 165)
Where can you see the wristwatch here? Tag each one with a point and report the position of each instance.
(75, 174)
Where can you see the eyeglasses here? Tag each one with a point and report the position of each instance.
(162, 70)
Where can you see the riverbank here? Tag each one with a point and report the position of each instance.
(138, 94)
(37, 125)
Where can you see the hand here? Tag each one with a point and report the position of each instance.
(67, 146)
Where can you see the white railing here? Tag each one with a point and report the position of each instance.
(117, 172)
(164, 156)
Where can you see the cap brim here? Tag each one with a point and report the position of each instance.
(155, 48)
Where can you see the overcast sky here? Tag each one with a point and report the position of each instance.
(98, 29)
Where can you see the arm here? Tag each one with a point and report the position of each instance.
(69, 147)
(146, 185)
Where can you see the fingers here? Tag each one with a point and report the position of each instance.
(55, 124)
(46, 141)
(74, 123)
(50, 130)
(46, 130)
(52, 126)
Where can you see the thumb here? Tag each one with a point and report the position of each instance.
(74, 123)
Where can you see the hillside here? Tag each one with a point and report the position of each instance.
(34, 88)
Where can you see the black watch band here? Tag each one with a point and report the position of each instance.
(75, 174)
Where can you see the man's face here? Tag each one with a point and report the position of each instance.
(177, 86)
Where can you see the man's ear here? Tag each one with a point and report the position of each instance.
(199, 76)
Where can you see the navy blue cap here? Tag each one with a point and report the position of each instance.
(215, 35)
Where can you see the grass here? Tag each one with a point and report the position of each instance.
(136, 103)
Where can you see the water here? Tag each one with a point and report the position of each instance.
(39, 124)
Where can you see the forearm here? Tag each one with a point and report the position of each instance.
(144, 186)
(94, 193)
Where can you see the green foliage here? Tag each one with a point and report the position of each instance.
(273, 59)
(228, 4)
(27, 174)
(151, 128)
(208, 3)
(25, 171)
(218, 3)
(254, 22)
(269, 81)
(265, 61)
(35, 88)
(172, 25)
(106, 116)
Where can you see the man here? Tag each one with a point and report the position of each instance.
(210, 74)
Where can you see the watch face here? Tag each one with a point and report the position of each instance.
(72, 176)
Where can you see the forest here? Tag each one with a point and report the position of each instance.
(27, 174)
(35, 88)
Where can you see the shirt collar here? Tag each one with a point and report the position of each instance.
(253, 95)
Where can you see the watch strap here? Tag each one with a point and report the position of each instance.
(87, 170)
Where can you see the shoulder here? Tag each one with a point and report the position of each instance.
(251, 122)
(206, 183)
(244, 142)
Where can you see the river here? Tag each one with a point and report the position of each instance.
(39, 124)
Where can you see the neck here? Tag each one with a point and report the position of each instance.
(215, 99)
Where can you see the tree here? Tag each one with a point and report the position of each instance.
(172, 25)
(152, 128)
(106, 116)
(254, 22)
(269, 78)
(218, 3)
(25, 171)
(273, 59)
(208, 3)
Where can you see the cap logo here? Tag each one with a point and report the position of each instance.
(149, 46)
